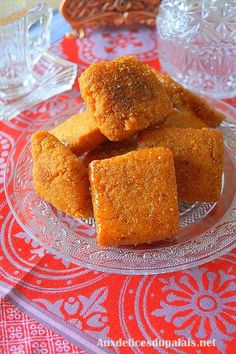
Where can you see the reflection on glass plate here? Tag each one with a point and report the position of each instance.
(208, 230)
(53, 75)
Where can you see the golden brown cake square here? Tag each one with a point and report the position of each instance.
(198, 156)
(59, 177)
(125, 95)
(184, 99)
(135, 197)
(79, 133)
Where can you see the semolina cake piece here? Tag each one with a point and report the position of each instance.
(79, 133)
(59, 177)
(125, 95)
(111, 149)
(184, 119)
(198, 156)
(135, 197)
(184, 99)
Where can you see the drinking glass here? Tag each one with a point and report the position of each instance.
(197, 44)
(20, 50)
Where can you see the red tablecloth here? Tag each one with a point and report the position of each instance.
(66, 309)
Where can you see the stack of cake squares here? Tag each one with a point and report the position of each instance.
(143, 144)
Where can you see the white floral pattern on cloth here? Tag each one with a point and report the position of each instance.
(196, 304)
(36, 249)
(108, 44)
(86, 313)
(199, 309)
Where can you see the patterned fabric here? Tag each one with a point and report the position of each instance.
(21, 334)
(74, 307)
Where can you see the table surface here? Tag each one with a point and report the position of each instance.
(51, 306)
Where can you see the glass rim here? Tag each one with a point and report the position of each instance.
(16, 14)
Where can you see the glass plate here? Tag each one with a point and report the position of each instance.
(208, 230)
(52, 74)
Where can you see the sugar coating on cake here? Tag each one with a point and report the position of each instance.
(198, 156)
(135, 197)
(125, 95)
(59, 177)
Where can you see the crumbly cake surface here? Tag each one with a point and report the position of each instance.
(198, 156)
(125, 95)
(135, 197)
(59, 177)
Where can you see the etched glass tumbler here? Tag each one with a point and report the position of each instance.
(197, 44)
(19, 49)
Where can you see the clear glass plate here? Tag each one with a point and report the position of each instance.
(52, 75)
(208, 230)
